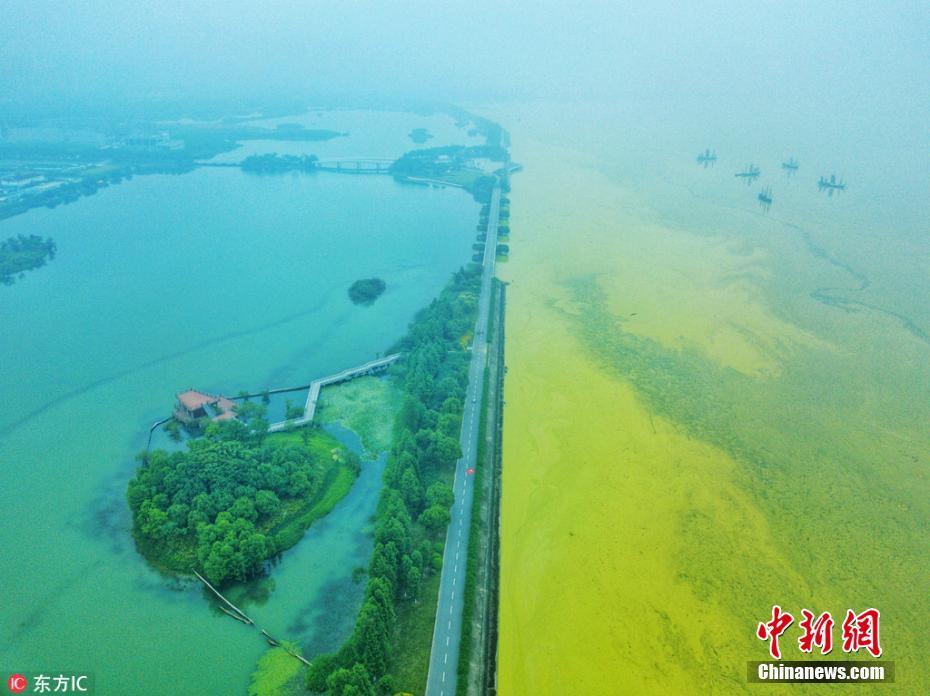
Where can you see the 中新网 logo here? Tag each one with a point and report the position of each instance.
(859, 631)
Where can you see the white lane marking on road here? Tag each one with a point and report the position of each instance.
(453, 581)
(447, 641)
(443, 677)
(445, 658)
(449, 627)
(453, 599)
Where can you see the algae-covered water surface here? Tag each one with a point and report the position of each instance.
(711, 409)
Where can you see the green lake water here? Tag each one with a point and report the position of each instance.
(221, 281)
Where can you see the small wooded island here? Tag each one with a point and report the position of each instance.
(21, 253)
(455, 165)
(366, 290)
(236, 496)
(419, 135)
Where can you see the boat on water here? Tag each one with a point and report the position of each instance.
(765, 197)
(831, 185)
(750, 173)
(707, 158)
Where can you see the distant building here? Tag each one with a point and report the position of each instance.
(21, 180)
(150, 142)
(193, 405)
(55, 135)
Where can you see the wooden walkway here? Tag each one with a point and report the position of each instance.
(240, 616)
(369, 368)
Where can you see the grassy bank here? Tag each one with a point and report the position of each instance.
(413, 639)
(339, 481)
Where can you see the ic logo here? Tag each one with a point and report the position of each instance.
(17, 683)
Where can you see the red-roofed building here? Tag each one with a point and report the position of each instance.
(192, 406)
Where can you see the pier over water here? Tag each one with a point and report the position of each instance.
(370, 368)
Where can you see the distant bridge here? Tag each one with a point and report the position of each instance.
(441, 183)
(351, 165)
(342, 165)
(370, 368)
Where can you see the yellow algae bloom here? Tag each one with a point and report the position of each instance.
(688, 441)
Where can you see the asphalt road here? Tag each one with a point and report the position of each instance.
(447, 632)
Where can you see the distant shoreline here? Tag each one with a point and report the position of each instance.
(48, 175)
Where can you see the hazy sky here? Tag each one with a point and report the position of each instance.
(785, 52)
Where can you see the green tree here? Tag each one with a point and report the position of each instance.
(439, 494)
(410, 577)
(244, 508)
(350, 682)
(379, 592)
(385, 686)
(371, 638)
(393, 531)
(384, 563)
(319, 670)
(448, 450)
(435, 518)
(267, 502)
(411, 490)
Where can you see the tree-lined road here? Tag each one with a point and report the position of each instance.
(444, 656)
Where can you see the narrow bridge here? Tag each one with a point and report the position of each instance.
(370, 368)
(349, 165)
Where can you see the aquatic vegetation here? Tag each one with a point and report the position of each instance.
(366, 406)
(278, 673)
